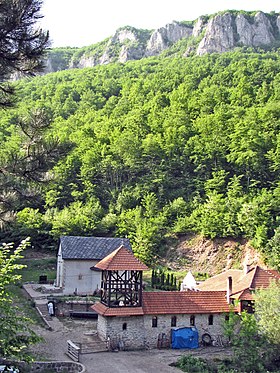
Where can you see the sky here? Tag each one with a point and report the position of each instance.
(77, 23)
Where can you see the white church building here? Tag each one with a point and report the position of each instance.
(76, 259)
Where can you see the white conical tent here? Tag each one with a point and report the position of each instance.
(189, 282)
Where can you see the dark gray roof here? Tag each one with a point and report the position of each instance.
(74, 247)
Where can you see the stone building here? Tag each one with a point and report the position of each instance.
(76, 259)
(134, 319)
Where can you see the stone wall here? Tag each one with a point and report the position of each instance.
(123, 332)
(102, 330)
(137, 332)
(51, 366)
(164, 326)
(65, 308)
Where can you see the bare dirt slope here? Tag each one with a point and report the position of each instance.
(199, 254)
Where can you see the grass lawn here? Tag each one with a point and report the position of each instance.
(34, 268)
(38, 267)
(25, 304)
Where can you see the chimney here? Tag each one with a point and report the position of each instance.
(229, 288)
(246, 268)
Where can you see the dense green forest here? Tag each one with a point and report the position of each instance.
(149, 149)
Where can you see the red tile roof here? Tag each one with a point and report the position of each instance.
(274, 272)
(243, 295)
(103, 310)
(219, 282)
(263, 278)
(172, 302)
(255, 278)
(185, 302)
(121, 260)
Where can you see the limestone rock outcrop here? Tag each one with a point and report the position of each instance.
(226, 31)
(164, 37)
(208, 34)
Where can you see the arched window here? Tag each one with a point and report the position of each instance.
(124, 326)
(210, 320)
(154, 322)
(192, 320)
(173, 321)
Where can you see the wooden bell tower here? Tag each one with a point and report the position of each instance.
(121, 284)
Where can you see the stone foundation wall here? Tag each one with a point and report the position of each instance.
(129, 330)
(64, 308)
(102, 330)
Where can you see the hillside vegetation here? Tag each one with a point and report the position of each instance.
(150, 149)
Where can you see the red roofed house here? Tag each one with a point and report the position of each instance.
(240, 285)
(137, 319)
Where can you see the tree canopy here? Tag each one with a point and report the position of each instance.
(154, 148)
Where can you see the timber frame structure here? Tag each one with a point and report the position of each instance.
(121, 288)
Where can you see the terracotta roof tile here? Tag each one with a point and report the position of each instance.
(243, 295)
(185, 302)
(263, 278)
(275, 273)
(219, 282)
(117, 311)
(255, 278)
(121, 260)
(171, 302)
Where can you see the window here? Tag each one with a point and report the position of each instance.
(154, 322)
(192, 320)
(173, 321)
(247, 305)
(210, 320)
(124, 326)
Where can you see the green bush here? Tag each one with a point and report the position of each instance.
(192, 364)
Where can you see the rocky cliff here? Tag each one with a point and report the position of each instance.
(218, 33)
(224, 32)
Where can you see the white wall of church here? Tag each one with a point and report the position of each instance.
(79, 278)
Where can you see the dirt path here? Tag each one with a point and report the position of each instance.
(54, 344)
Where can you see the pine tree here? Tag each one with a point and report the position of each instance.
(21, 44)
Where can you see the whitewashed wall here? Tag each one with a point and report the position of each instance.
(75, 276)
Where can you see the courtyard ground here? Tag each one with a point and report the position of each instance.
(54, 347)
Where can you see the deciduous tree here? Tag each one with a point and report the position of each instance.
(15, 331)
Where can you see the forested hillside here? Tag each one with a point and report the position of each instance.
(149, 149)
